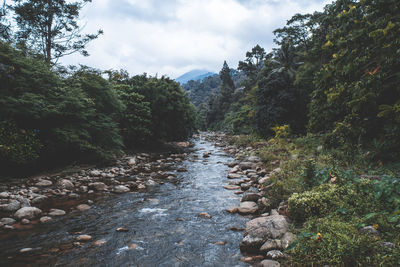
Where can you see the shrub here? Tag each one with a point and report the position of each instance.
(17, 146)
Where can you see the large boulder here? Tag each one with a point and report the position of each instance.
(27, 213)
(261, 229)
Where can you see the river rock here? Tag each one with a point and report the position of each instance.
(84, 238)
(269, 263)
(259, 230)
(45, 219)
(27, 213)
(204, 215)
(44, 183)
(14, 205)
(234, 176)
(245, 186)
(263, 180)
(247, 165)
(231, 187)
(65, 184)
(4, 195)
(25, 250)
(57, 212)
(100, 242)
(251, 197)
(206, 154)
(235, 169)
(38, 199)
(25, 221)
(232, 210)
(276, 255)
(83, 207)
(7, 221)
(119, 189)
(253, 159)
(98, 186)
(247, 207)
(95, 173)
(369, 230)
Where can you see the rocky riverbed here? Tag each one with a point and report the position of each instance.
(204, 206)
(267, 234)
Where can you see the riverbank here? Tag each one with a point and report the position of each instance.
(340, 208)
(25, 202)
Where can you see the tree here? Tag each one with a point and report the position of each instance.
(4, 28)
(253, 62)
(50, 27)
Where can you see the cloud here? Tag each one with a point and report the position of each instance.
(175, 36)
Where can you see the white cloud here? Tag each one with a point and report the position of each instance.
(175, 36)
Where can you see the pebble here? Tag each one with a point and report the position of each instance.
(100, 242)
(121, 229)
(45, 219)
(84, 238)
(83, 207)
(57, 212)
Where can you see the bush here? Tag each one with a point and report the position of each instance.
(330, 241)
(17, 147)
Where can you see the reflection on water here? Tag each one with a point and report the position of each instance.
(163, 225)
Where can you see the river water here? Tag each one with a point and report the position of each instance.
(163, 223)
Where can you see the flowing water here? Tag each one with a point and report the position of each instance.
(163, 223)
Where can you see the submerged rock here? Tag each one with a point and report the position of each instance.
(204, 215)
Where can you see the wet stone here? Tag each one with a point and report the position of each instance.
(83, 207)
(57, 212)
(83, 238)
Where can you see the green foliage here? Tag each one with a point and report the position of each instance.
(135, 118)
(173, 117)
(17, 146)
(340, 244)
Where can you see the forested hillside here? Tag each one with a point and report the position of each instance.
(52, 114)
(334, 72)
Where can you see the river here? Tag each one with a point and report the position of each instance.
(162, 225)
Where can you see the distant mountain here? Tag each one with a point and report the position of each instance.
(194, 75)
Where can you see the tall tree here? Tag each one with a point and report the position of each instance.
(4, 28)
(50, 27)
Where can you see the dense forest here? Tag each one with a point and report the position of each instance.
(334, 72)
(52, 114)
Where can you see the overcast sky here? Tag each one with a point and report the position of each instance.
(171, 37)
